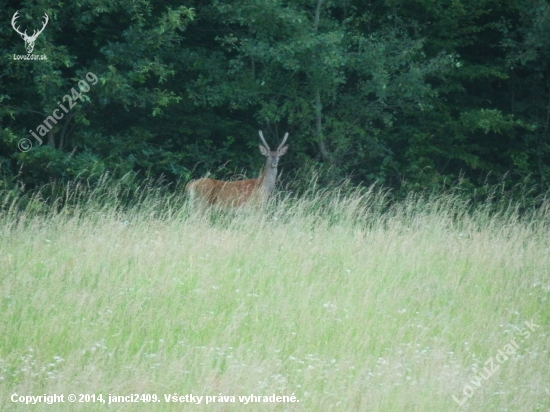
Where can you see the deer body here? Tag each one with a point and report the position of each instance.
(236, 194)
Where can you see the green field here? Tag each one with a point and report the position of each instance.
(340, 300)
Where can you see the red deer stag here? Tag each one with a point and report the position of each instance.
(235, 194)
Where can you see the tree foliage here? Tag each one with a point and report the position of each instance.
(413, 94)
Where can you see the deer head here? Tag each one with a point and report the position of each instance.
(29, 40)
(273, 156)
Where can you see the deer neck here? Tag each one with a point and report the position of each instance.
(266, 181)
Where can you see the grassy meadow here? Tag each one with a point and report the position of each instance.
(340, 299)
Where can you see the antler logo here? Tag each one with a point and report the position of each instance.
(29, 40)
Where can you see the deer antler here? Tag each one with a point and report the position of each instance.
(15, 16)
(283, 142)
(47, 19)
(263, 140)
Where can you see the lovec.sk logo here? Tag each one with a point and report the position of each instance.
(29, 40)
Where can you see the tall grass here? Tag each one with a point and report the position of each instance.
(343, 298)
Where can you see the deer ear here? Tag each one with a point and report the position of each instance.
(263, 150)
(282, 151)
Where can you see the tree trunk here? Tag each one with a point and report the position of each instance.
(319, 128)
(318, 105)
(51, 138)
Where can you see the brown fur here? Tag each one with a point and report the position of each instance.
(220, 193)
(235, 194)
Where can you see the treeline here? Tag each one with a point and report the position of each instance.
(415, 94)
